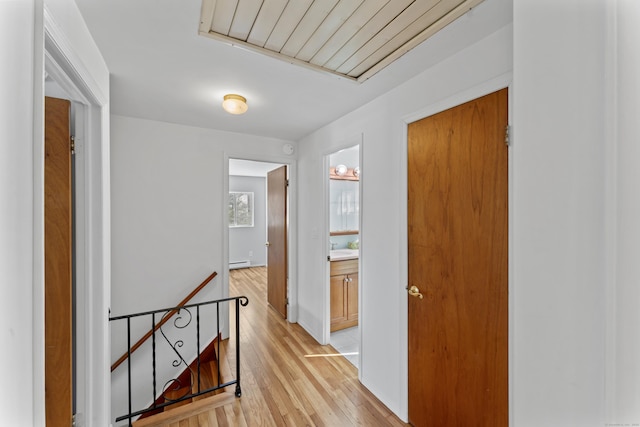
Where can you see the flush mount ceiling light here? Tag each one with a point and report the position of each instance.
(235, 104)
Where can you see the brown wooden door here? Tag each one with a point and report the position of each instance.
(277, 239)
(458, 258)
(58, 265)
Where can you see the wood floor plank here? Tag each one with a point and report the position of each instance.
(287, 378)
(212, 418)
(203, 420)
(234, 415)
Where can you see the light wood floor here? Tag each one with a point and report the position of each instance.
(287, 378)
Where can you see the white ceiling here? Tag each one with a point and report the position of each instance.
(239, 167)
(161, 69)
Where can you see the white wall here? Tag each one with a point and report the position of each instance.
(169, 207)
(382, 124)
(165, 207)
(247, 243)
(17, 44)
(561, 147)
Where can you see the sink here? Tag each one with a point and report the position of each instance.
(342, 254)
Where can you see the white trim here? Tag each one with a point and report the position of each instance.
(80, 263)
(39, 414)
(224, 262)
(611, 211)
(362, 276)
(77, 74)
(326, 289)
(490, 86)
(511, 237)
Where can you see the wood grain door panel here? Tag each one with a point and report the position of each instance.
(458, 258)
(58, 265)
(277, 240)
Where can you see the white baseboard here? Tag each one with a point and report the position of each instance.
(239, 264)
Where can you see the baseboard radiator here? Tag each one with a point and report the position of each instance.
(239, 264)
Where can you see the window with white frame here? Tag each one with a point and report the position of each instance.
(240, 209)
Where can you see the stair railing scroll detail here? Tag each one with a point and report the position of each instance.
(190, 379)
(176, 383)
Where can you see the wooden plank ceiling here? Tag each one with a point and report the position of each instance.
(351, 38)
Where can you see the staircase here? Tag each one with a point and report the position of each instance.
(213, 377)
(212, 358)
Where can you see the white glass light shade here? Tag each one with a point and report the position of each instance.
(235, 104)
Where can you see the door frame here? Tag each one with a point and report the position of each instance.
(326, 294)
(490, 86)
(65, 65)
(292, 229)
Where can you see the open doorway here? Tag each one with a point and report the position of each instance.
(66, 76)
(62, 246)
(344, 251)
(258, 224)
(67, 255)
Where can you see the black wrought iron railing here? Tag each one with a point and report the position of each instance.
(169, 343)
(146, 336)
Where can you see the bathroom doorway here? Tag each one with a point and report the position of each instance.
(344, 252)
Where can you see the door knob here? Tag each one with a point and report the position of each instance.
(267, 244)
(415, 292)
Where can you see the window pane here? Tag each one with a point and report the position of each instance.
(241, 209)
(244, 210)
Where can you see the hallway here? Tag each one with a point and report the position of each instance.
(287, 378)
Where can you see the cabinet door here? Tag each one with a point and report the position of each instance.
(352, 297)
(338, 302)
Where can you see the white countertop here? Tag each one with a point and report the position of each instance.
(344, 254)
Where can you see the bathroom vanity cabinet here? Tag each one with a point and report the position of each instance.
(344, 294)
